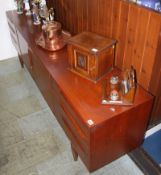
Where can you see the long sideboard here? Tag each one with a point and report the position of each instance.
(98, 133)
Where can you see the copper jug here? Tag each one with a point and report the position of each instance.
(52, 30)
(53, 37)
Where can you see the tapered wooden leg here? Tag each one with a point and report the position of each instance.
(75, 154)
(21, 61)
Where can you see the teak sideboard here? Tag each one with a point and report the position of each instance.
(98, 133)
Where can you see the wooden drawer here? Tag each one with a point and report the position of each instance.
(23, 45)
(55, 90)
(75, 136)
(14, 37)
(82, 152)
(68, 109)
(70, 119)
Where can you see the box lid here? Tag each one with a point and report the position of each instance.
(91, 42)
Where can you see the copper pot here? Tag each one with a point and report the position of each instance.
(52, 30)
(53, 37)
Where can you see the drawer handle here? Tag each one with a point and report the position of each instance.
(10, 26)
(30, 58)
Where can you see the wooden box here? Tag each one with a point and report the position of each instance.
(91, 55)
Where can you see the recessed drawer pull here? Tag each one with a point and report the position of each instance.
(30, 58)
(13, 38)
(74, 124)
(54, 86)
(70, 132)
(11, 27)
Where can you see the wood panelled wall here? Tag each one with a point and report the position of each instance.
(136, 29)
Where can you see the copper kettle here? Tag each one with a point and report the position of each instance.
(53, 37)
(52, 30)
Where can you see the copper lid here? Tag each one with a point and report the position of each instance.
(51, 30)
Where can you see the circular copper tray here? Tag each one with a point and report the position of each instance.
(53, 45)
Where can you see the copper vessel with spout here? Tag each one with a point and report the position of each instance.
(53, 37)
(52, 30)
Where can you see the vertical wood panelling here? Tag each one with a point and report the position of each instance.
(81, 16)
(105, 9)
(68, 10)
(102, 8)
(85, 15)
(116, 18)
(122, 29)
(62, 12)
(108, 18)
(130, 36)
(150, 49)
(93, 16)
(135, 28)
(139, 45)
(72, 14)
(115, 25)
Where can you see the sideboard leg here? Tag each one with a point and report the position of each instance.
(21, 61)
(75, 154)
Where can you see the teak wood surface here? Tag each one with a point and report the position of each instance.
(136, 28)
(98, 133)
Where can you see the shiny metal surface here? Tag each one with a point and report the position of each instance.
(52, 37)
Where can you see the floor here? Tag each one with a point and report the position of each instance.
(31, 140)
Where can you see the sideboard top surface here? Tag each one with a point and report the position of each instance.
(83, 95)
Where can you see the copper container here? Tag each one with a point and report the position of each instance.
(52, 30)
(53, 37)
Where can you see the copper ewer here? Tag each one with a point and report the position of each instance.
(53, 37)
(52, 30)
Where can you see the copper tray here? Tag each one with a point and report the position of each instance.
(53, 45)
(125, 100)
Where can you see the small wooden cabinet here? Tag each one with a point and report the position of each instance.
(91, 55)
(98, 133)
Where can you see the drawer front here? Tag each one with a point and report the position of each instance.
(68, 119)
(67, 108)
(74, 125)
(74, 137)
(24, 50)
(56, 92)
(72, 129)
(14, 37)
(83, 154)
